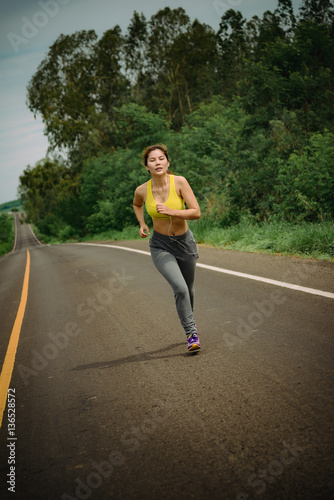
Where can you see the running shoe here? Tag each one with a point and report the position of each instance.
(193, 343)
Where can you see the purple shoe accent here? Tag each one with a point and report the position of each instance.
(193, 343)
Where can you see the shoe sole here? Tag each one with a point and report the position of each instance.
(194, 347)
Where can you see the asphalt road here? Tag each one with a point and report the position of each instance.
(110, 405)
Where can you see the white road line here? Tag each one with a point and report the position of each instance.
(32, 232)
(270, 281)
(16, 216)
(291, 286)
(115, 246)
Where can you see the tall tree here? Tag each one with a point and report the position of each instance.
(195, 56)
(165, 26)
(62, 89)
(111, 86)
(41, 189)
(76, 88)
(284, 12)
(321, 11)
(234, 50)
(162, 70)
(135, 46)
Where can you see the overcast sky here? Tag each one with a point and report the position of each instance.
(29, 27)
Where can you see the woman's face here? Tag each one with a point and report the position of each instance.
(157, 162)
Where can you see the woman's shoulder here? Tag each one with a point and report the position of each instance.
(178, 177)
(179, 183)
(142, 189)
(179, 180)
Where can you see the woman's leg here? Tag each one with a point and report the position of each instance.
(188, 268)
(181, 278)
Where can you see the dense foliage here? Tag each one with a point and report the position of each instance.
(247, 113)
(6, 233)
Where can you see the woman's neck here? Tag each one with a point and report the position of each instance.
(160, 182)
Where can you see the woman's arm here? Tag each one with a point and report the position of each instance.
(193, 212)
(138, 209)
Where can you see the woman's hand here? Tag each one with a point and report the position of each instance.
(162, 209)
(144, 231)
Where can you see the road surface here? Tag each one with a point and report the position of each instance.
(110, 405)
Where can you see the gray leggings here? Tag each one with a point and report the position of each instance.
(175, 257)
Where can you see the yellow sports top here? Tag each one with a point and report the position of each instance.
(173, 201)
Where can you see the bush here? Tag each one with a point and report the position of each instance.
(6, 233)
(306, 181)
(307, 239)
(5, 227)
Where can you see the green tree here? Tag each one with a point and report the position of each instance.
(194, 55)
(234, 107)
(76, 88)
(108, 181)
(234, 51)
(229, 168)
(62, 89)
(306, 181)
(286, 17)
(321, 11)
(6, 233)
(137, 127)
(165, 26)
(135, 46)
(111, 86)
(5, 228)
(162, 71)
(43, 189)
(291, 71)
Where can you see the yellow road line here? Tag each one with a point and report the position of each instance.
(8, 364)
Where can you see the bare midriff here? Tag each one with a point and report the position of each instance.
(174, 227)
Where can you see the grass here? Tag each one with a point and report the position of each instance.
(128, 233)
(304, 240)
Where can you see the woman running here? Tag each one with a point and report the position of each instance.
(172, 245)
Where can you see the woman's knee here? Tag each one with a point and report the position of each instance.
(181, 291)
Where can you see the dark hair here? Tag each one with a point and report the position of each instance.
(148, 150)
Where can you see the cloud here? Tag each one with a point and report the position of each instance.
(22, 141)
